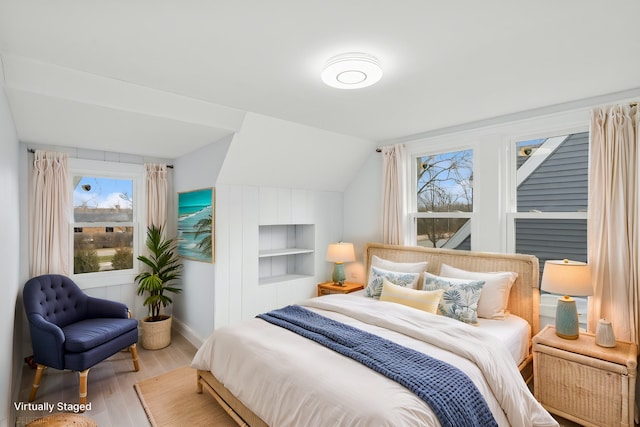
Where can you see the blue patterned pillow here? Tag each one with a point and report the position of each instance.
(460, 298)
(374, 287)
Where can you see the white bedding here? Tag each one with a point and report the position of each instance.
(512, 331)
(288, 380)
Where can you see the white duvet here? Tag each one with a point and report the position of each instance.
(288, 380)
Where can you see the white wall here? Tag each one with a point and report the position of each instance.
(271, 172)
(363, 212)
(193, 308)
(492, 165)
(241, 210)
(263, 180)
(10, 303)
(277, 153)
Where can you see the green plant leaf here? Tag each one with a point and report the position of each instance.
(163, 270)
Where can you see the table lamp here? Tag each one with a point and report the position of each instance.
(339, 253)
(566, 278)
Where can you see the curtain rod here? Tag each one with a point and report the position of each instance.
(31, 150)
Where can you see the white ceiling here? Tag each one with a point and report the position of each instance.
(173, 75)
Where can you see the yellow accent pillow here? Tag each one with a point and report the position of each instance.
(422, 300)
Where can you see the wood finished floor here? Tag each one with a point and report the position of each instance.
(114, 402)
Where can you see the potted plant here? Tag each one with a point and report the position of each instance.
(159, 280)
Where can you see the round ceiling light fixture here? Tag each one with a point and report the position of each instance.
(352, 71)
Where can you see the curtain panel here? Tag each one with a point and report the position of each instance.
(156, 184)
(394, 211)
(49, 215)
(613, 219)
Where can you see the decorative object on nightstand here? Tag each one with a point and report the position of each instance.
(339, 253)
(604, 334)
(328, 288)
(567, 278)
(583, 382)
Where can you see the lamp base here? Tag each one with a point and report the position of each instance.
(567, 325)
(338, 276)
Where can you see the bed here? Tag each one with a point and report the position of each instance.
(288, 379)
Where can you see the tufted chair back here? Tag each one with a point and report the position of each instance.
(56, 298)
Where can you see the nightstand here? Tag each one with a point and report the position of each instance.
(327, 288)
(583, 382)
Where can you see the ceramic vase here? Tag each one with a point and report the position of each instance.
(604, 334)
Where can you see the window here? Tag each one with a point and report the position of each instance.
(103, 218)
(106, 228)
(549, 218)
(551, 197)
(444, 200)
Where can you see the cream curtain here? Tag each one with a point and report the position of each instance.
(156, 184)
(613, 219)
(393, 195)
(50, 208)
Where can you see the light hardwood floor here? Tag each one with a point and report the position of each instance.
(114, 402)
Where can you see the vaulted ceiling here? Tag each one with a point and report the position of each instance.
(171, 76)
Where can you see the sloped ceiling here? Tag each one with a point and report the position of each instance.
(176, 75)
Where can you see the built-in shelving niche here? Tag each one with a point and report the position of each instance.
(286, 252)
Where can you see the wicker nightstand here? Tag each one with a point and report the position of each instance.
(583, 382)
(327, 288)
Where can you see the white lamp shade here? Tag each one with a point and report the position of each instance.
(566, 277)
(341, 252)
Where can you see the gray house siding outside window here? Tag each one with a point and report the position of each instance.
(559, 184)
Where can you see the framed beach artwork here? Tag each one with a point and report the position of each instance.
(196, 238)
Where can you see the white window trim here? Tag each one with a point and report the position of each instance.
(111, 170)
(511, 213)
(429, 149)
(494, 190)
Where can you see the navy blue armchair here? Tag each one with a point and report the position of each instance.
(71, 330)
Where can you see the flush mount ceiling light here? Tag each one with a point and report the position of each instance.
(352, 71)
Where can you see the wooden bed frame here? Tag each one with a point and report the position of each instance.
(524, 301)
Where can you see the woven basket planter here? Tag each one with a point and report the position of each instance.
(156, 335)
(63, 420)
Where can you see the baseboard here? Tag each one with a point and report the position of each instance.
(187, 332)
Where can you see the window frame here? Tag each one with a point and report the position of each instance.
(547, 312)
(493, 146)
(512, 214)
(413, 214)
(101, 169)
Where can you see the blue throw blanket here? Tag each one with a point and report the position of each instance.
(450, 393)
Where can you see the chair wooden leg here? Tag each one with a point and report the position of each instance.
(36, 382)
(83, 389)
(134, 355)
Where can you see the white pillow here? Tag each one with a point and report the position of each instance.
(400, 267)
(495, 293)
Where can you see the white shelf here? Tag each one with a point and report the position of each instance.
(286, 252)
(282, 278)
(283, 252)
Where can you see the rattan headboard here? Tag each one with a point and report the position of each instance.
(524, 299)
